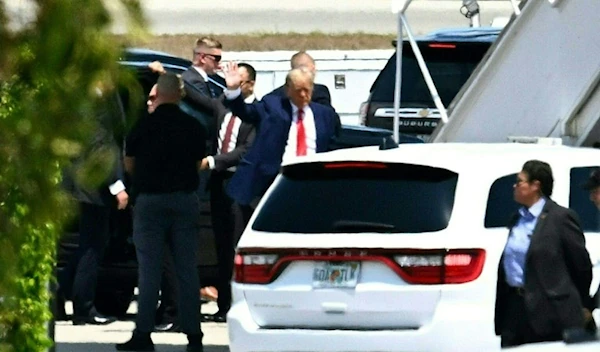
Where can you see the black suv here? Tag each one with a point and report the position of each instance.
(451, 55)
(117, 278)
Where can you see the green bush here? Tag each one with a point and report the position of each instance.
(49, 73)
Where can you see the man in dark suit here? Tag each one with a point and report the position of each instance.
(288, 127)
(207, 55)
(320, 92)
(232, 141)
(201, 80)
(545, 271)
(95, 204)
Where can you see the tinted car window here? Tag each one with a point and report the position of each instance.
(501, 204)
(359, 197)
(449, 65)
(579, 200)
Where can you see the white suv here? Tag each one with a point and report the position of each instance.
(390, 250)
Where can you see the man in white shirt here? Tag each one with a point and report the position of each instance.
(233, 139)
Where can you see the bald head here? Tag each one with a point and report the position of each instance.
(169, 88)
(301, 59)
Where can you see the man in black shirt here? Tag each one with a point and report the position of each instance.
(164, 153)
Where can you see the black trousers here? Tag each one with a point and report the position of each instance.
(79, 278)
(223, 223)
(517, 329)
(156, 218)
(169, 292)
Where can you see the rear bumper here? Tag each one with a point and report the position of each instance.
(462, 328)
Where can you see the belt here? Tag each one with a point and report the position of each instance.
(519, 291)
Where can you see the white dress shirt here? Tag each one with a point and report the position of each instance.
(201, 72)
(234, 134)
(291, 145)
(310, 132)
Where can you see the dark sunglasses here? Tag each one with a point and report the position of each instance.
(217, 58)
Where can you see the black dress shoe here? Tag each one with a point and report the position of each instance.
(95, 319)
(139, 342)
(218, 317)
(167, 327)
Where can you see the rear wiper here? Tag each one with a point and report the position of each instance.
(361, 226)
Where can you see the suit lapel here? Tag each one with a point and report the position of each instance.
(319, 125)
(199, 82)
(287, 107)
(538, 227)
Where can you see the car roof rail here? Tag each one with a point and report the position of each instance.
(388, 142)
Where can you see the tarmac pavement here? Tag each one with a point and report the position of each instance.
(102, 338)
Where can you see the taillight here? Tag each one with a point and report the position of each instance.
(362, 113)
(448, 267)
(442, 46)
(415, 266)
(254, 268)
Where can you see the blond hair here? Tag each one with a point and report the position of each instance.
(299, 74)
(207, 43)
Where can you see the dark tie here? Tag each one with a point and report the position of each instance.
(228, 133)
(211, 90)
(301, 140)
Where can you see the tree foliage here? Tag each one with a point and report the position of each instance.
(50, 70)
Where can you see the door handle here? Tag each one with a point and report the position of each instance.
(334, 307)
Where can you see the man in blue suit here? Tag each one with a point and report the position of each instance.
(287, 127)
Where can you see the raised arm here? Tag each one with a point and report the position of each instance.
(193, 95)
(251, 113)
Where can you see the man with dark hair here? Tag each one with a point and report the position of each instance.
(248, 75)
(232, 142)
(302, 60)
(163, 153)
(545, 271)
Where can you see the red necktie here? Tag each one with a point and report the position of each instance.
(228, 133)
(301, 141)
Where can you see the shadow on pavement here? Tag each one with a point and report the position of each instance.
(110, 347)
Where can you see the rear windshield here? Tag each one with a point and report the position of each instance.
(359, 197)
(450, 67)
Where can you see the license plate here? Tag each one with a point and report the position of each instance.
(330, 274)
